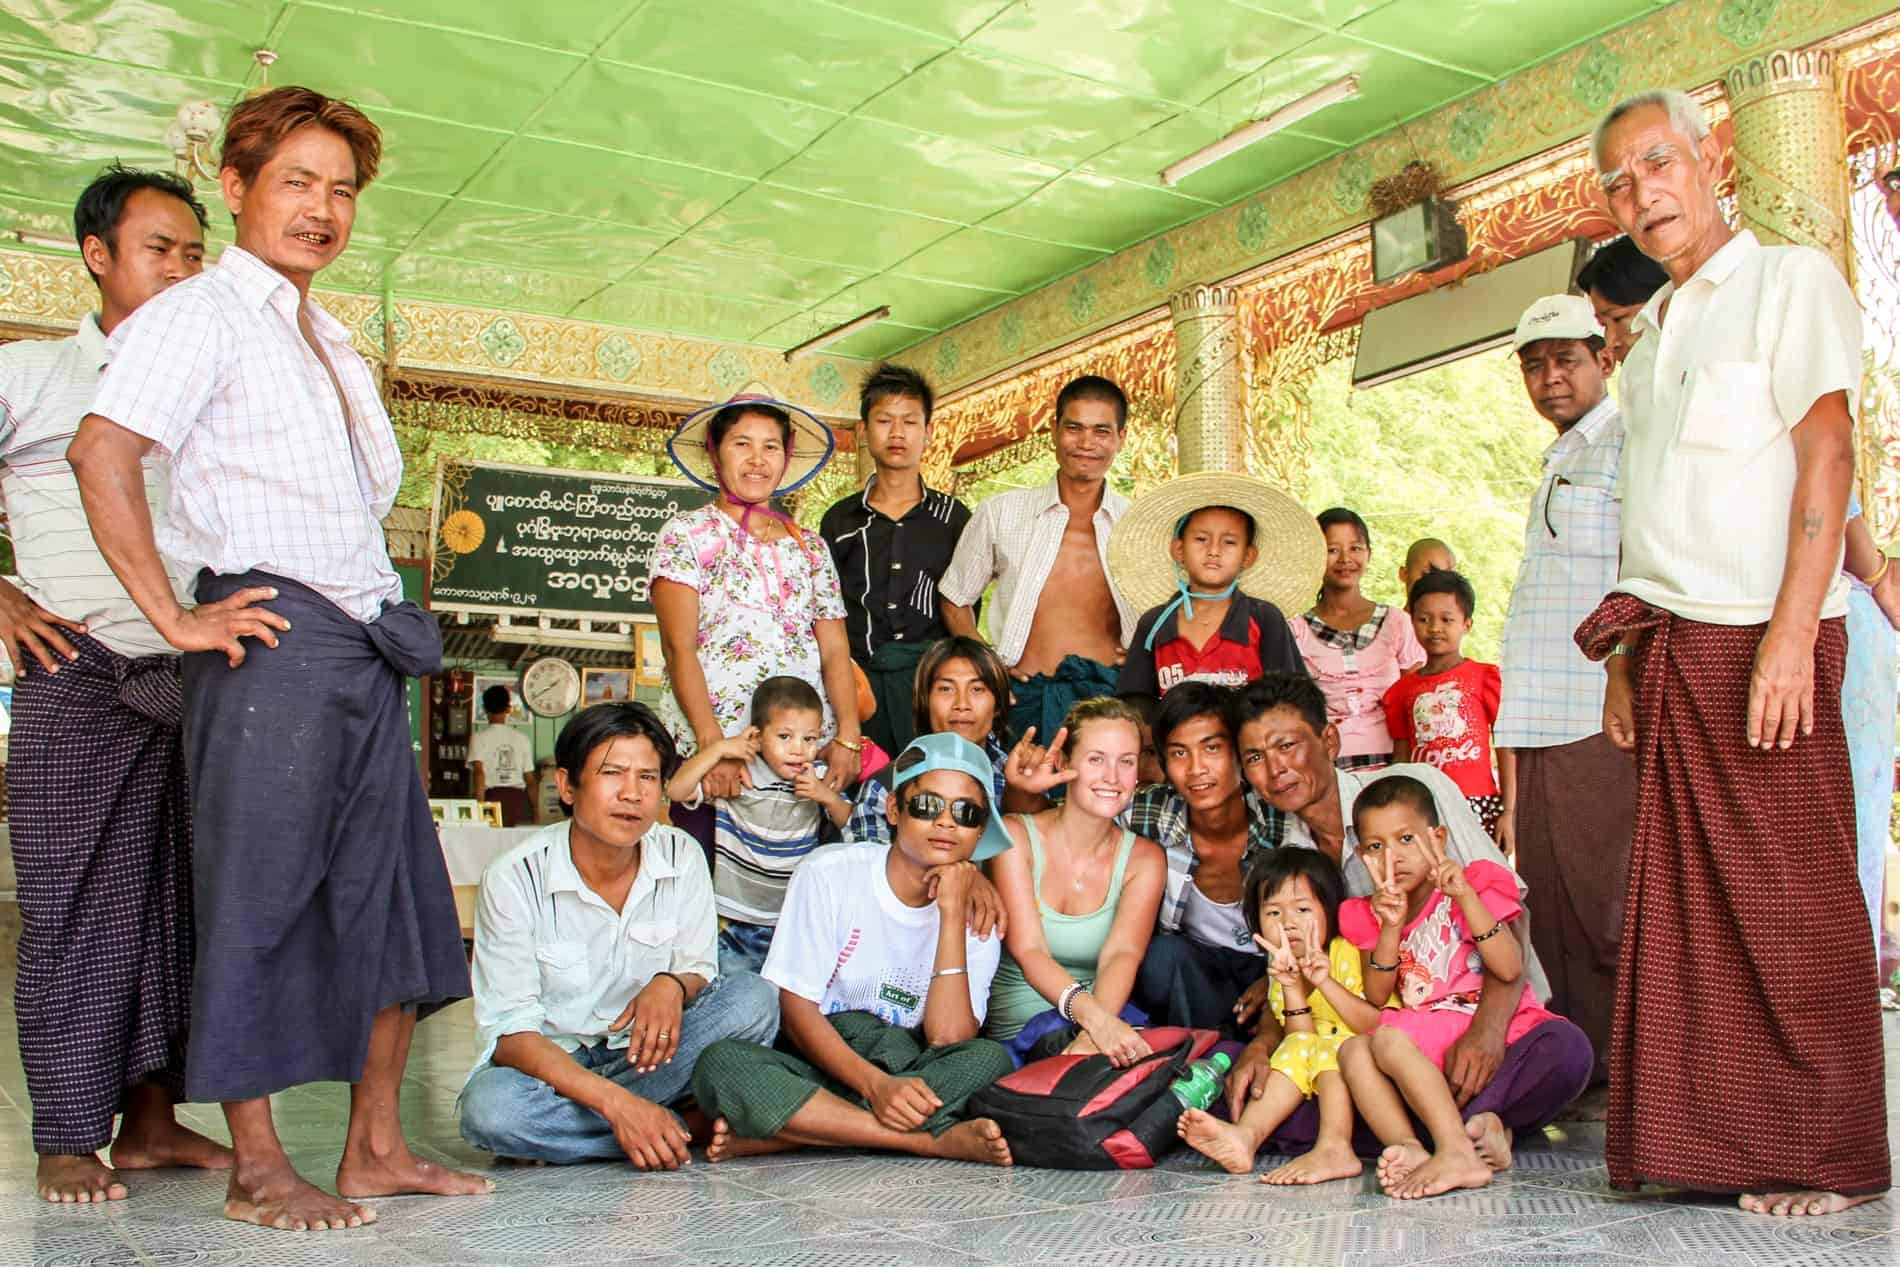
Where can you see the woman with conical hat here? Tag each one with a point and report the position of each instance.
(742, 593)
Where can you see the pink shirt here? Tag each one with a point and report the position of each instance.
(1355, 668)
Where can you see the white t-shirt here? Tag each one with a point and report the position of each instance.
(1710, 399)
(846, 943)
(505, 755)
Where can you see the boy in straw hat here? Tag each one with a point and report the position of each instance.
(1183, 552)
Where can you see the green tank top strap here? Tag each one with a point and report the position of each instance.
(1035, 854)
(1122, 851)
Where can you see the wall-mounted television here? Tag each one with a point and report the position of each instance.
(1423, 236)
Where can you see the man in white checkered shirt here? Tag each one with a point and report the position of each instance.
(1569, 795)
(325, 917)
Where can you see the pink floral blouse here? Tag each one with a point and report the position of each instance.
(758, 603)
(1354, 668)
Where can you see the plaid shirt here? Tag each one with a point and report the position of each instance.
(1552, 695)
(1159, 813)
(270, 468)
(870, 821)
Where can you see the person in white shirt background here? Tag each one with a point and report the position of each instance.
(498, 759)
(101, 808)
(597, 982)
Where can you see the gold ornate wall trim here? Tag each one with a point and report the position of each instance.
(1690, 43)
(51, 292)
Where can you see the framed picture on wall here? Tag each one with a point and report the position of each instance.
(518, 714)
(647, 655)
(606, 686)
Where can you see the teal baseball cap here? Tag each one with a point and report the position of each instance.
(953, 752)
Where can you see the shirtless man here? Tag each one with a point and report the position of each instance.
(1061, 627)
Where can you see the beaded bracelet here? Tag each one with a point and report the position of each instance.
(1068, 997)
(1376, 966)
(1488, 934)
(1292, 1012)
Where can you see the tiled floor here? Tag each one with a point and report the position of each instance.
(853, 1211)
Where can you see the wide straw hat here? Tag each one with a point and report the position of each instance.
(811, 446)
(1290, 559)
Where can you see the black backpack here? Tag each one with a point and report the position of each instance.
(1082, 1113)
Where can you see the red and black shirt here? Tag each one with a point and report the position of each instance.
(1253, 639)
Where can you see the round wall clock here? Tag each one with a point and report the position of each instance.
(551, 687)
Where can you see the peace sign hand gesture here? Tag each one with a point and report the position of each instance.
(1447, 875)
(1388, 903)
(1281, 961)
(1034, 769)
(1315, 966)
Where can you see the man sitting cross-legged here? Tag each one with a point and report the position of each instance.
(882, 987)
(596, 977)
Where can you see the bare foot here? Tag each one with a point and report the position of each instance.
(1228, 1144)
(725, 1145)
(165, 1143)
(402, 1174)
(1796, 1205)
(1398, 1161)
(979, 1140)
(1329, 1159)
(65, 1178)
(1445, 1171)
(276, 1196)
(1487, 1134)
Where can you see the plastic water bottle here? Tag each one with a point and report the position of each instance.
(1202, 1082)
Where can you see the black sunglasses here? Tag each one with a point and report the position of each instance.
(928, 805)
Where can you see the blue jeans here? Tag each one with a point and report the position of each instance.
(742, 947)
(510, 1114)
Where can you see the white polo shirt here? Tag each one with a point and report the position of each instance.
(1710, 399)
(551, 957)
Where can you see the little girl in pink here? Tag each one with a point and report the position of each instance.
(1432, 932)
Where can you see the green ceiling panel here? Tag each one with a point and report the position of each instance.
(915, 171)
(467, 281)
(576, 26)
(424, 153)
(602, 185)
(213, 39)
(1019, 108)
(778, 278)
(1175, 50)
(535, 239)
(758, 169)
(1392, 88)
(916, 302)
(684, 311)
(1141, 159)
(1490, 36)
(949, 20)
(804, 52)
(765, 218)
(680, 120)
(976, 257)
(1085, 210)
(874, 343)
(389, 216)
(421, 69)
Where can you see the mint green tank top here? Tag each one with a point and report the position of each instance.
(1074, 940)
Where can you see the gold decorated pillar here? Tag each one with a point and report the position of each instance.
(1791, 151)
(1210, 405)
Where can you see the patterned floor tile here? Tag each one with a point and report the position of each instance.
(1878, 1251)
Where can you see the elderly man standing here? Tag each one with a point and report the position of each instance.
(325, 918)
(1747, 1045)
(1569, 795)
(1061, 627)
(101, 811)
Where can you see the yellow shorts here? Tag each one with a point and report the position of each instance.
(1304, 1057)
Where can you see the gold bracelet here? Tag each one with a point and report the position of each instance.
(1886, 561)
(842, 742)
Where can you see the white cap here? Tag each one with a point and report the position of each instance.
(1556, 317)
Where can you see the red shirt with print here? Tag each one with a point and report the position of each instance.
(1447, 717)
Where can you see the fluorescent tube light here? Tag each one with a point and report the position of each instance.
(1247, 133)
(52, 242)
(832, 335)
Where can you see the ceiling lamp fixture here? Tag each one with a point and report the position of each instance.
(49, 241)
(832, 335)
(189, 138)
(1247, 133)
